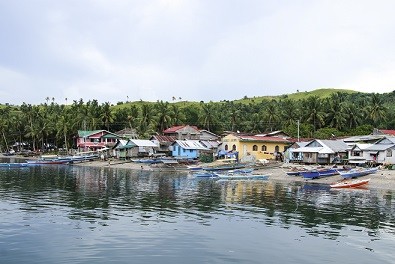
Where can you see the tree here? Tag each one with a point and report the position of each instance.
(164, 115)
(106, 115)
(377, 110)
(207, 115)
(313, 112)
(336, 116)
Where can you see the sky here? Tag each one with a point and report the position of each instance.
(196, 50)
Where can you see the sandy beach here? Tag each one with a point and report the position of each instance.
(384, 179)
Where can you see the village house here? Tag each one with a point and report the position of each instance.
(292, 154)
(188, 149)
(95, 140)
(163, 144)
(359, 154)
(183, 132)
(206, 135)
(125, 149)
(324, 151)
(127, 133)
(382, 152)
(252, 147)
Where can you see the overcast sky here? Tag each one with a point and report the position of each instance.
(196, 50)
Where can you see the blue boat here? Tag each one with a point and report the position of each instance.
(205, 174)
(241, 176)
(355, 173)
(225, 167)
(13, 165)
(319, 173)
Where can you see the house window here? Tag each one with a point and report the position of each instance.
(226, 147)
(255, 148)
(276, 148)
(356, 153)
(389, 152)
(234, 147)
(264, 148)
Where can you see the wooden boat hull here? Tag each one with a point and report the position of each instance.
(242, 176)
(350, 184)
(314, 174)
(357, 173)
(12, 165)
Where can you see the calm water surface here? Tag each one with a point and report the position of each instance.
(70, 214)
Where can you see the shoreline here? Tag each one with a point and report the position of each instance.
(383, 179)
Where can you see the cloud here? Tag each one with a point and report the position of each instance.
(197, 50)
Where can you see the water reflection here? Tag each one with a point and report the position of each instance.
(99, 195)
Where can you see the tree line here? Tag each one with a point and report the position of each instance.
(340, 114)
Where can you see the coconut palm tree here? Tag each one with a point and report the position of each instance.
(376, 109)
(164, 116)
(107, 115)
(313, 113)
(207, 115)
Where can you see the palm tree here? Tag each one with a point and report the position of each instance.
(354, 115)
(164, 116)
(336, 115)
(207, 116)
(106, 115)
(377, 110)
(270, 113)
(288, 112)
(147, 118)
(313, 113)
(178, 116)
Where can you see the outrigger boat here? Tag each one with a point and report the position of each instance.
(354, 173)
(319, 173)
(350, 184)
(242, 176)
(13, 165)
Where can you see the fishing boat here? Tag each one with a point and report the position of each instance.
(350, 184)
(205, 174)
(49, 161)
(225, 167)
(355, 173)
(319, 173)
(13, 165)
(241, 176)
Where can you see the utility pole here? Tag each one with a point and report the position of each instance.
(298, 128)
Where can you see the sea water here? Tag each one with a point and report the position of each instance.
(72, 214)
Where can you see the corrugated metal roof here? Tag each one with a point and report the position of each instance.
(162, 138)
(335, 145)
(210, 143)
(378, 147)
(176, 128)
(263, 139)
(143, 143)
(191, 144)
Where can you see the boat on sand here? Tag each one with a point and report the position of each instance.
(354, 173)
(350, 183)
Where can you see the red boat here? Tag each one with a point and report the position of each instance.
(350, 184)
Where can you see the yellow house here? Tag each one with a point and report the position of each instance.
(255, 147)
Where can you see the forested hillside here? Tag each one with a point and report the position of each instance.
(321, 114)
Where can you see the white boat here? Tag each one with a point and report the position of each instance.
(242, 176)
(354, 173)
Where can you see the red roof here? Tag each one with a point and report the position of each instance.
(388, 131)
(264, 138)
(161, 138)
(176, 128)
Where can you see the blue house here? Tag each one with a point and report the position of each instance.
(187, 149)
